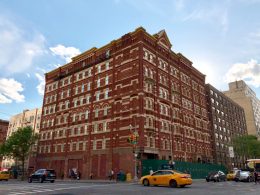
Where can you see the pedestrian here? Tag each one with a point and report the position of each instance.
(151, 172)
(256, 176)
(112, 174)
(91, 175)
(78, 175)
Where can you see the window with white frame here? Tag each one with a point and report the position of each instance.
(96, 112)
(95, 127)
(105, 111)
(82, 88)
(88, 86)
(107, 65)
(99, 68)
(106, 80)
(97, 96)
(105, 126)
(86, 114)
(98, 82)
(103, 144)
(106, 94)
(145, 71)
(87, 99)
(146, 55)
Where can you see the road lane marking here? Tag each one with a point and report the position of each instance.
(52, 190)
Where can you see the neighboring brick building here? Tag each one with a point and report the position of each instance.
(227, 121)
(3, 133)
(26, 118)
(243, 95)
(134, 83)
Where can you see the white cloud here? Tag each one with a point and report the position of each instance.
(17, 51)
(10, 90)
(65, 53)
(41, 85)
(249, 71)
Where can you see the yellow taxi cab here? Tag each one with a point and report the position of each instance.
(231, 175)
(4, 175)
(170, 178)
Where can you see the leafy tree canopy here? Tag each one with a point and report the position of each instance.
(18, 145)
(247, 145)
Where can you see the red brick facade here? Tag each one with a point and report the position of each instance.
(90, 103)
(3, 133)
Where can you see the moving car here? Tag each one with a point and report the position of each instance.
(244, 176)
(170, 178)
(42, 175)
(216, 176)
(4, 175)
(232, 174)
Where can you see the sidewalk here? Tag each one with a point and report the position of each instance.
(93, 181)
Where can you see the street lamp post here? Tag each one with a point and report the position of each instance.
(135, 177)
(133, 140)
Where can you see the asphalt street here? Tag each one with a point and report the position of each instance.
(199, 187)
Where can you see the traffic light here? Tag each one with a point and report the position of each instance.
(133, 138)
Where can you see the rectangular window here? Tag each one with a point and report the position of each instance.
(86, 114)
(106, 94)
(82, 88)
(96, 113)
(107, 65)
(103, 144)
(99, 68)
(97, 96)
(98, 83)
(88, 97)
(104, 126)
(76, 90)
(106, 81)
(105, 111)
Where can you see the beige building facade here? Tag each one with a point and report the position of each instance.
(243, 95)
(26, 118)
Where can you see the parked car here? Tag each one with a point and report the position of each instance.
(216, 176)
(244, 176)
(42, 175)
(4, 175)
(232, 174)
(170, 178)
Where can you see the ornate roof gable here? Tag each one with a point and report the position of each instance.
(163, 39)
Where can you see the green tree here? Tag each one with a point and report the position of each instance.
(247, 146)
(18, 145)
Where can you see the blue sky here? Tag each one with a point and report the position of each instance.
(220, 37)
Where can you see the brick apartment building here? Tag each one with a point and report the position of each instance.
(227, 121)
(135, 83)
(3, 133)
